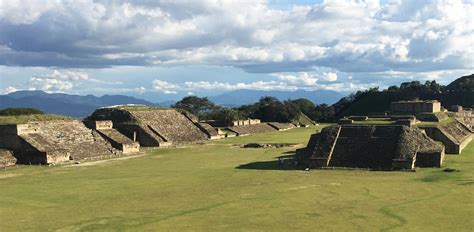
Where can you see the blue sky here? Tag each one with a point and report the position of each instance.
(164, 50)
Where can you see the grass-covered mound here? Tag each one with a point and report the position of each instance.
(19, 111)
(222, 187)
(30, 118)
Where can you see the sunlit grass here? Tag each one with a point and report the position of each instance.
(221, 187)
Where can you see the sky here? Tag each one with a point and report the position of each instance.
(164, 50)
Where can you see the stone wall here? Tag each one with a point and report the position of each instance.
(358, 118)
(432, 117)
(414, 107)
(281, 126)
(119, 141)
(379, 147)
(245, 122)
(211, 132)
(104, 124)
(455, 136)
(6, 158)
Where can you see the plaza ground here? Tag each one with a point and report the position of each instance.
(219, 186)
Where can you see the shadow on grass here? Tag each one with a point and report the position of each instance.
(287, 164)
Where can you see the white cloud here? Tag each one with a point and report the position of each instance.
(346, 36)
(302, 78)
(283, 82)
(165, 87)
(50, 84)
(10, 89)
(330, 76)
(58, 80)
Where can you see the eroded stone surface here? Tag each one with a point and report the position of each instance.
(384, 147)
(6, 158)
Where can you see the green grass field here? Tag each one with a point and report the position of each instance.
(18, 119)
(219, 187)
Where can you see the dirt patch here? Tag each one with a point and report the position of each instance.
(98, 162)
(8, 175)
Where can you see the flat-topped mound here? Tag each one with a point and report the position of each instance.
(21, 119)
(152, 126)
(54, 141)
(252, 129)
(380, 147)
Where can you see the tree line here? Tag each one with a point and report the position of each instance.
(267, 109)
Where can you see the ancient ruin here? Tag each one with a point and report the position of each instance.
(415, 107)
(455, 136)
(378, 147)
(118, 140)
(245, 122)
(211, 132)
(6, 158)
(251, 129)
(54, 141)
(152, 127)
(281, 126)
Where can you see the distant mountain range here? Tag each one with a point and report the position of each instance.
(242, 97)
(66, 104)
(79, 106)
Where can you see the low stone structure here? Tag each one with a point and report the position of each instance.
(281, 126)
(211, 132)
(116, 139)
(54, 141)
(415, 107)
(378, 147)
(406, 122)
(6, 158)
(456, 108)
(432, 117)
(245, 122)
(455, 136)
(345, 121)
(358, 118)
(251, 129)
(152, 127)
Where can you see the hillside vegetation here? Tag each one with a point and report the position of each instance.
(459, 92)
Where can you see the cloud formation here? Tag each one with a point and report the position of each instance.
(348, 36)
(282, 82)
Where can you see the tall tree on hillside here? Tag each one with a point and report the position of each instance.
(196, 105)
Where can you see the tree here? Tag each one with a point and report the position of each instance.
(196, 105)
(226, 115)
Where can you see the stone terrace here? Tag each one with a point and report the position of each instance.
(252, 129)
(455, 136)
(72, 137)
(281, 126)
(379, 147)
(54, 141)
(170, 124)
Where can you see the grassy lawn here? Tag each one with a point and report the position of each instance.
(218, 187)
(30, 118)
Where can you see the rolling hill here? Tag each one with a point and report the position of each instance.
(76, 106)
